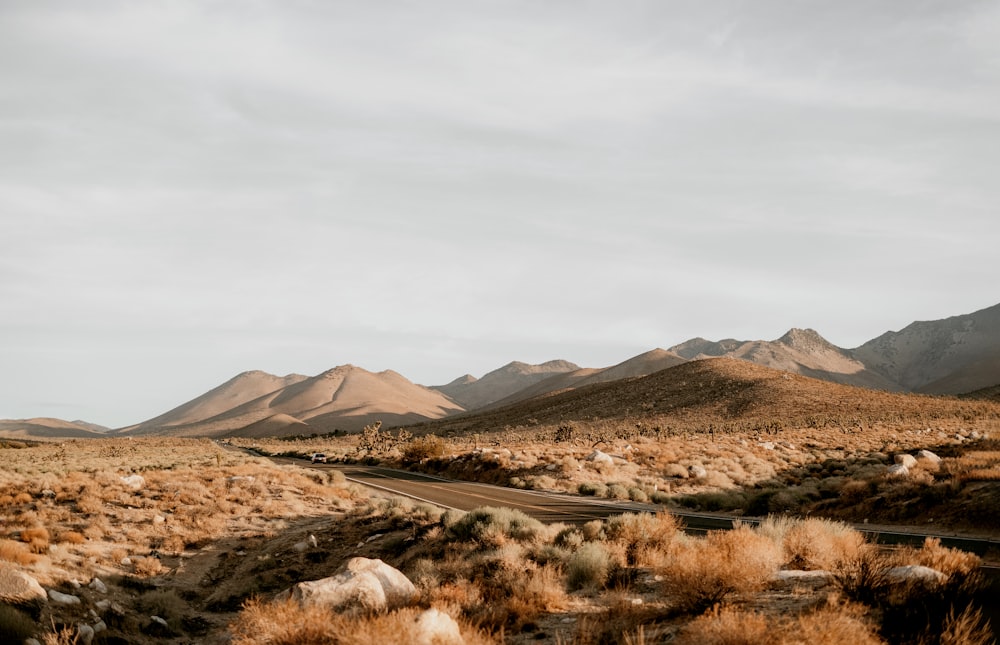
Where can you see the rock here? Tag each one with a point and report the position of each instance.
(135, 482)
(300, 546)
(126, 561)
(898, 470)
(767, 445)
(158, 628)
(98, 586)
(31, 641)
(48, 492)
(18, 588)
(85, 634)
(312, 541)
(361, 583)
(599, 457)
(695, 471)
(915, 573)
(927, 455)
(811, 577)
(905, 460)
(103, 605)
(975, 434)
(63, 598)
(434, 627)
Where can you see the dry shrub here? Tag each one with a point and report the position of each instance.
(16, 552)
(22, 498)
(947, 561)
(701, 572)
(820, 544)
(642, 533)
(36, 539)
(966, 628)
(288, 623)
(726, 626)
(588, 566)
(732, 626)
(90, 504)
(147, 566)
(493, 527)
(71, 537)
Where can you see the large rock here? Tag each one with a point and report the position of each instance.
(370, 585)
(599, 457)
(434, 627)
(906, 460)
(696, 471)
(19, 589)
(898, 470)
(915, 573)
(928, 456)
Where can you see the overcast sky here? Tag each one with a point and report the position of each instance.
(193, 189)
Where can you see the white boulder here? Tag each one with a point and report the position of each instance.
(695, 471)
(599, 457)
(97, 585)
(434, 627)
(915, 573)
(928, 456)
(906, 460)
(18, 588)
(366, 584)
(135, 482)
(85, 634)
(898, 470)
(63, 598)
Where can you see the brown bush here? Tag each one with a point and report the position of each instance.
(288, 623)
(701, 572)
(16, 552)
(731, 626)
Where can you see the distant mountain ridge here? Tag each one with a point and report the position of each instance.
(342, 398)
(956, 355)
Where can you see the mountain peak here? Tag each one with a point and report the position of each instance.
(803, 339)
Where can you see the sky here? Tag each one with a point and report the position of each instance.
(192, 189)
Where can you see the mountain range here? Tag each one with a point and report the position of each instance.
(952, 356)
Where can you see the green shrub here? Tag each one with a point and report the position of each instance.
(597, 489)
(490, 525)
(588, 567)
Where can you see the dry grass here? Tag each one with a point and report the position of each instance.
(733, 626)
(287, 623)
(702, 572)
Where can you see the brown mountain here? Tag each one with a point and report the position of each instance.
(472, 393)
(641, 365)
(343, 398)
(49, 428)
(717, 391)
(238, 390)
(801, 351)
(957, 354)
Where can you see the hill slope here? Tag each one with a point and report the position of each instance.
(721, 392)
(472, 393)
(48, 428)
(801, 351)
(343, 398)
(240, 389)
(957, 354)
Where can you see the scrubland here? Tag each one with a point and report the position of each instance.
(203, 536)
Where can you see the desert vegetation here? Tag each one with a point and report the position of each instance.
(184, 540)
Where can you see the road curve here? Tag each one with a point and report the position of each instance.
(573, 509)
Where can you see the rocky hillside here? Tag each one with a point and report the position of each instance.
(472, 393)
(950, 356)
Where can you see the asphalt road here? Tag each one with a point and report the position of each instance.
(573, 509)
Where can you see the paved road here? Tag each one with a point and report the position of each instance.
(572, 509)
